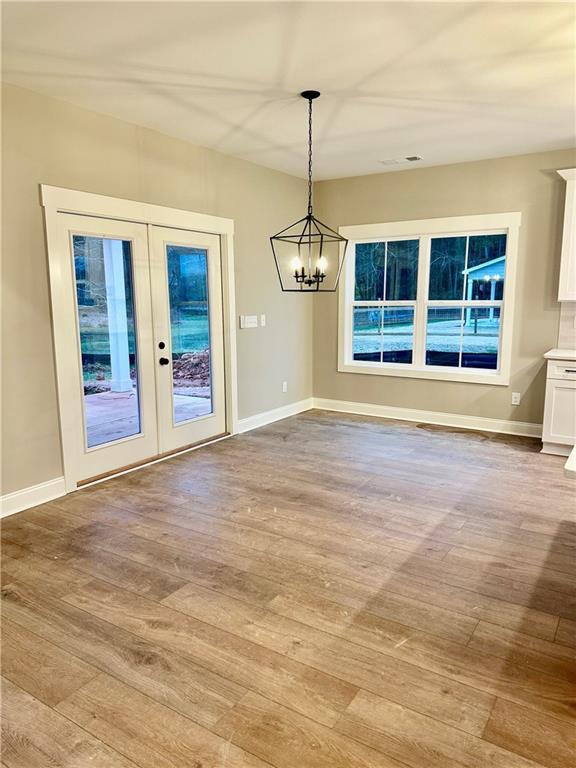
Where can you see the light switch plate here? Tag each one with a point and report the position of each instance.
(262, 320)
(248, 321)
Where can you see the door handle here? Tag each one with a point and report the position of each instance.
(163, 361)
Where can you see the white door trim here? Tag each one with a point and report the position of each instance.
(62, 200)
(57, 200)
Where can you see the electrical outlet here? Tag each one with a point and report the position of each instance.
(516, 396)
(284, 386)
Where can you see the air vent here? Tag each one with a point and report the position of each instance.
(400, 160)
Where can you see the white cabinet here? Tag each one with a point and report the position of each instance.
(559, 428)
(567, 283)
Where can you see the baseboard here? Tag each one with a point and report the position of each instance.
(556, 449)
(32, 496)
(267, 417)
(570, 466)
(481, 424)
(478, 423)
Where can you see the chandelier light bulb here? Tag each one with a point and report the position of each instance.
(296, 264)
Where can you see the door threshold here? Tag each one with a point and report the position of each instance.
(148, 462)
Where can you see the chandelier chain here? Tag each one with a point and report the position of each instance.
(310, 156)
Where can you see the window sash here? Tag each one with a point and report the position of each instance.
(420, 343)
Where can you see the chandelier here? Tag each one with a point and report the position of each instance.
(309, 254)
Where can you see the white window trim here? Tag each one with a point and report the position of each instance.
(424, 229)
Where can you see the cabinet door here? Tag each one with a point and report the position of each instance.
(560, 412)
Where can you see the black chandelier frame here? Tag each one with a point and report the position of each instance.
(308, 232)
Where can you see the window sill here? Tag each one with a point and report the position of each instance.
(468, 376)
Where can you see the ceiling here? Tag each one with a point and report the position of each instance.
(448, 81)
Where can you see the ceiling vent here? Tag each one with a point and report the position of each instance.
(400, 160)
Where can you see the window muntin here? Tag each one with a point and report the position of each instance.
(470, 343)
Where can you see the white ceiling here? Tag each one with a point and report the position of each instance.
(448, 81)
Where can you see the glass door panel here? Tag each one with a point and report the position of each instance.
(188, 294)
(106, 324)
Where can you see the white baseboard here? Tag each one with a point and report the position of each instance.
(556, 449)
(267, 417)
(478, 423)
(32, 496)
(570, 466)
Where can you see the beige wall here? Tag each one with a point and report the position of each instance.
(50, 142)
(524, 183)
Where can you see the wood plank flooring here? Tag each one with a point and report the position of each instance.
(330, 591)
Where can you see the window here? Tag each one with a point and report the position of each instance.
(430, 299)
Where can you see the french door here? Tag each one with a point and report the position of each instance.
(186, 283)
(139, 342)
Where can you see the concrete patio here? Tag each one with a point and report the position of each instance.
(114, 415)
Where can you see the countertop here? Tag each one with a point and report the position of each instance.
(561, 354)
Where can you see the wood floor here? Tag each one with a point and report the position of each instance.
(329, 591)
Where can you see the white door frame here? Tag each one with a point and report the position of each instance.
(56, 200)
